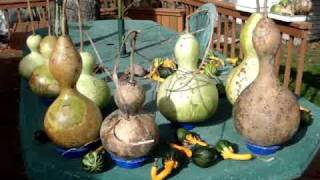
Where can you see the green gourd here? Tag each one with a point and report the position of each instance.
(72, 120)
(243, 75)
(92, 87)
(204, 156)
(187, 96)
(32, 60)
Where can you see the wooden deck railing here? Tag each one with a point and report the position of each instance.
(226, 37)
(21, 27)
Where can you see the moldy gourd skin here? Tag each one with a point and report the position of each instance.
(41, 80)
(72, 120)
(266, 113)
(90, 86)
(34, 59)
(245, 73)
(187, 96)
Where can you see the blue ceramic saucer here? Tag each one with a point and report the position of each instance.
(262, 150)
(46, 101)
(187, 126)
(78, 152)
(128, 164)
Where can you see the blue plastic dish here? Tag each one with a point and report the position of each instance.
(46, 101)
(78, 152)
(128, 164)
(262, 150)
(187, 126)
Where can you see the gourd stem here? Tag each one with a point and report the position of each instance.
(133, 47)
(64, 21)
(31, 17)
(80, 24)
(265, 8)
(98, 55)
(116, 64)
(258, 5)
(49, 17)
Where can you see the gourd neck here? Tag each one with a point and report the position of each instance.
(266, 70)
(187, 65)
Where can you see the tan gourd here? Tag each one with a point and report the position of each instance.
(72, 120)
(266, 113)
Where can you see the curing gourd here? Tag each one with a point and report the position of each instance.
(266, 113)
(34, 59)
(243, 75)
(72, 120)
(187, 96)
(41, 81)
(129, 132)
(204, 156)
(92, 87)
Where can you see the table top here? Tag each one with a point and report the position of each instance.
(42, 162)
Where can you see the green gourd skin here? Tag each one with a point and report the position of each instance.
(72, 120)
(34, 59)
(187, 96)
(244, 74)
(90, 86)
(41, 81)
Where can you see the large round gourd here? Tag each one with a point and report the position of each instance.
(246, 72)
(130, 136)
(92, 87)
(72, 120)
(187, 96)
(266, 113)
(41, 80)
(32, 60)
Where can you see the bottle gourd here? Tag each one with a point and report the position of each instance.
(243, 75)
(266, 113)
(72, 120)
(187, 96)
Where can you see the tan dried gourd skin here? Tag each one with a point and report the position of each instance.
(245, 73)
(72, 120)
(266, 113)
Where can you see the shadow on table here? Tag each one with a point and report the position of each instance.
(298, 136)
(223, 113)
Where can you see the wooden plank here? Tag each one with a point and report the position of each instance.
(288, 63)
(219, 32)
(300, 65)
(225, 36)
(234, 31)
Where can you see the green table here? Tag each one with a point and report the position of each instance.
(42, 162)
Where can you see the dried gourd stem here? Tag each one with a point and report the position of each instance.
(258, 5)
(265, 8)
(98, 55)
(64, 19)
(80, 24)
(133, 47)
(117, 61)
(31, 16)
(49, 17)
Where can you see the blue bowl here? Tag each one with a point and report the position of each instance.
(46, 101)
(262, 150)
(128, 164)
(78, 152)
(187, 126)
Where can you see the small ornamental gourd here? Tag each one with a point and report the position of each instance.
(129, 132)
(41, 81)
(266, 113)
(72, 120)
(90, 86)
(187, 96)
(243, 75)
(34, 59)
